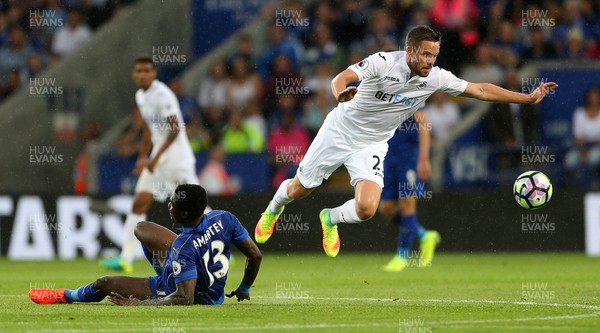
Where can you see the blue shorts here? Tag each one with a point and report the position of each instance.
(158, 288)
(400, 170)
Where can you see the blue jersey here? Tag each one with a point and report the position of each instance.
(406, 134)
(400, 163)
(203, 253)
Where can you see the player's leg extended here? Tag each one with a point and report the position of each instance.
(95, 291)
(289, 190)
(156, 241)
(141, 203)
(429, 239)
(361, 208)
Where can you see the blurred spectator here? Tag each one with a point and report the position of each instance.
(214, 177)
(240, 136)
(72, 36)
(457, 19)
(484, 70)
(575, 46)
(91, 134)
(443, 115)
(199, 137)
(321, 102)
(189, 111)
(295, 20)
(213, 89)
(324, 49)
(128, 143)
(510, 126)
(321, 77)
(34, 65)
(253, 115)
(572, 21)
(214, 122)
(533, 18)
(540, 49)
(244, 87)
(382, 34)
(352, 22)
(244, 50)
(585, 155)
(505, 49)
(279, 46)
(14, 55)
(287, 145)
(12, 84)
(285, 103)
(283, 78)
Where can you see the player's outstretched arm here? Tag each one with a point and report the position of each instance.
(339, 88)
(145, 147)
(253, 259)
(492, 93)
(183, 295)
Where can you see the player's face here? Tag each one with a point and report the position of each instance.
(143, 74)
(422, 57)
(175, 213)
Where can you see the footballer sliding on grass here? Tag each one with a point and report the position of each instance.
(190, 268)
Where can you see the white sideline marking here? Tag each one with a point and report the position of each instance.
(448, 324)
(399, 300)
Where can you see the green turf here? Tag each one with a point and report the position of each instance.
(310, 292)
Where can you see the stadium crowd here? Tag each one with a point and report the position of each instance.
(34, 34)
(274, 99)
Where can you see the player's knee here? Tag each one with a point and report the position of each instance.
(141, 230)
(365, 211)
(103, 284)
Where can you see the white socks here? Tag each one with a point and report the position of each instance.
(345, 213)
(281, 197)
(130, 243)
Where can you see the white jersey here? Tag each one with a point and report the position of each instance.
(156, 105)
(386, 97)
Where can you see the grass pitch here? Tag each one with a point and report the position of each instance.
(310, 292)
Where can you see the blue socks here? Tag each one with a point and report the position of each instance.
(407, 234)
(83, 294)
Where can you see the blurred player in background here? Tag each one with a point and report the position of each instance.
(403, 185)
(394, 85)
(190, 268)
(170, 163)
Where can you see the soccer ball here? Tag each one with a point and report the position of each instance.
(532, 190)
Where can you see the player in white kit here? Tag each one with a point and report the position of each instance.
(170, 163)
(393, 86)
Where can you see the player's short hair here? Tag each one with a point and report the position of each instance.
(144, 60)
(420, 33)
(191, 199)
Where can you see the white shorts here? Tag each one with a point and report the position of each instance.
(330, 149)
(164, 180)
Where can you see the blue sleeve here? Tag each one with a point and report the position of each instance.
(238, 232)
(184, 265)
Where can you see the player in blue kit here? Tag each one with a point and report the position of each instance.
(191, 267)
(406, 167)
